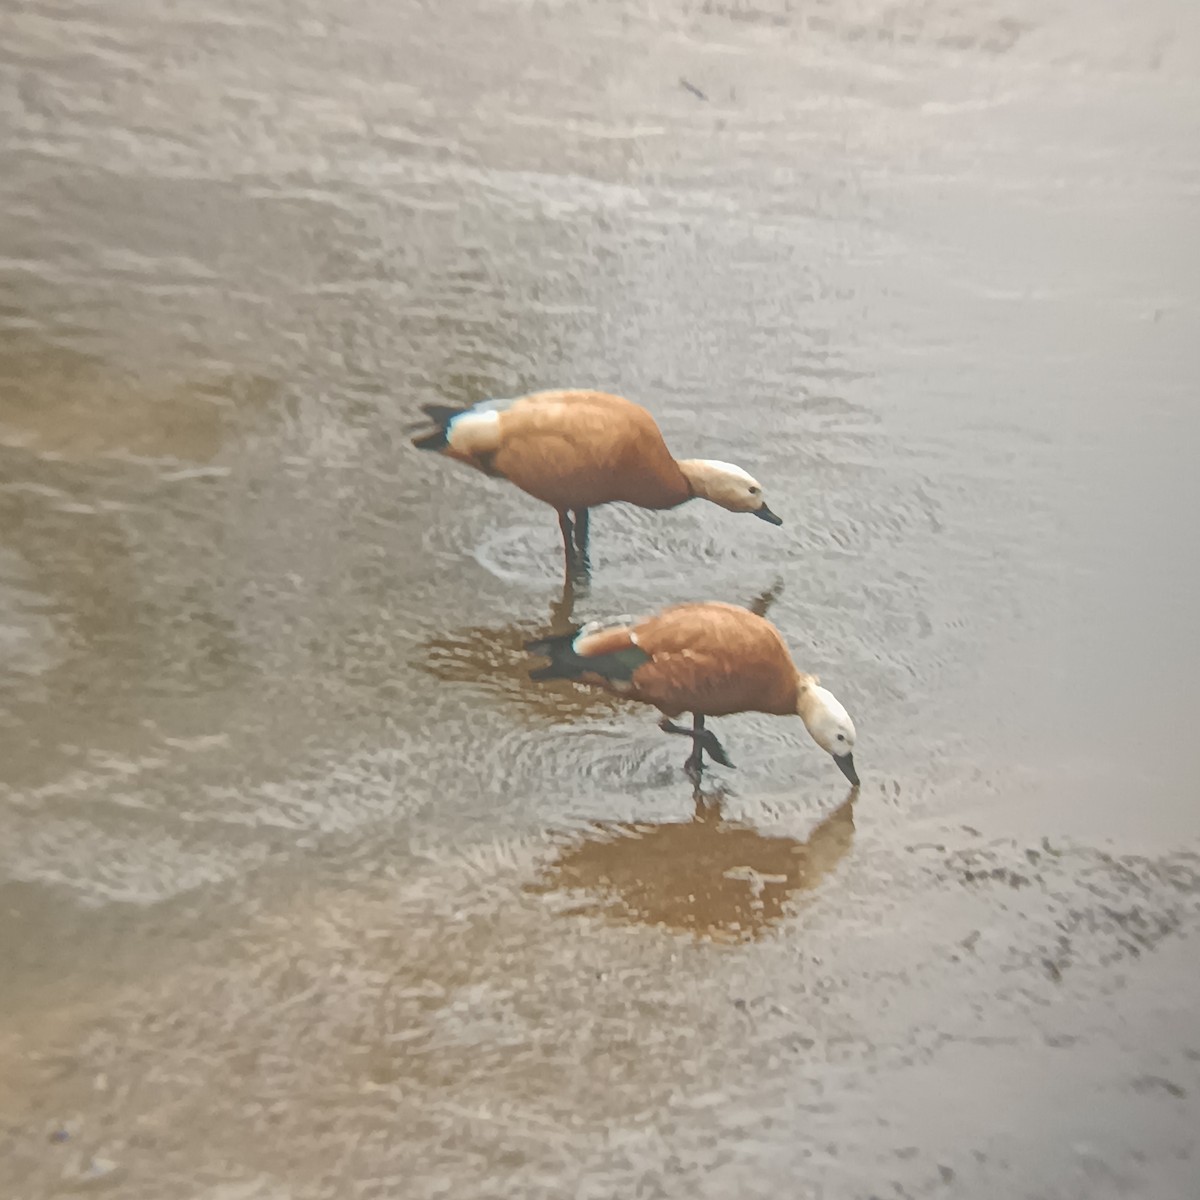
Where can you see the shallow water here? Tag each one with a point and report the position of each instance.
(305, 891)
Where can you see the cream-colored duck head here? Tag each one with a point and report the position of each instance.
(728, 486)
(826, 718)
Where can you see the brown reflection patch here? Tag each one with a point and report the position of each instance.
(59, 400)
(497, 661)
(708, 876)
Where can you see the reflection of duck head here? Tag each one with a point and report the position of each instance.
(711, 877)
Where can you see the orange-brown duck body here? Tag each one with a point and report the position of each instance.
(578, 449)
(709, 659)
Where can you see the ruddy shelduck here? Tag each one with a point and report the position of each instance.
(707, 659)
(576, 450)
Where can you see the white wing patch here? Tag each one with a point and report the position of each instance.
(474, 432)
(599, 626)
(492, 405)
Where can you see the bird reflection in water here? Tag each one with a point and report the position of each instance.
(709, 877)
(494, 659)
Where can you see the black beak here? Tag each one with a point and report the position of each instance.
(845, 764)
(768, 515)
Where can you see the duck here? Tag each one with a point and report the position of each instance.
(710, 659)
(575, 450)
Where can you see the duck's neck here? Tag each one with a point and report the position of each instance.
(697, 474)
(807, 703)
(667, 487)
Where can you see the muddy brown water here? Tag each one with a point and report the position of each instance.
(305, 891)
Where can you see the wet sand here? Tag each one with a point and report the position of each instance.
(305, 891)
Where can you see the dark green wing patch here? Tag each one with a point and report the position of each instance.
(620, 665)
(566, 664)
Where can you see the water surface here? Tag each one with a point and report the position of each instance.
(305, 891)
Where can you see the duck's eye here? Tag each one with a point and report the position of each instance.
(756, 491)
(841, 737)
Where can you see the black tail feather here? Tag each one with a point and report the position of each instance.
(556, 641)
(566, 664)
(560, 650)
(441, 415)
